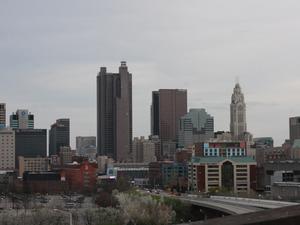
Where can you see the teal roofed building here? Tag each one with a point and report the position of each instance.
(233, 174)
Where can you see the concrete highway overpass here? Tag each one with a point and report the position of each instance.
(289, 215)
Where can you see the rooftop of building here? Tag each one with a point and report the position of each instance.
(213, 159)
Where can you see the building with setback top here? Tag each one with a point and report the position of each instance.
(238, 125)
(114, 113)
(22, 119)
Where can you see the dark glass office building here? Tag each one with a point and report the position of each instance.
(59, 136)
(31, 143)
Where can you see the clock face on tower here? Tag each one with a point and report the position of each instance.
(23, 113)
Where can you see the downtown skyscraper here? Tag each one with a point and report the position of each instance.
(238, 125)
(168, 106)
(59, 136)
(114, 113)
(2, 115)
(22, 119)
(294, 128)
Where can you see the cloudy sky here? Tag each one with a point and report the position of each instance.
(51, 51)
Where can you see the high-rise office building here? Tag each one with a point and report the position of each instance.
(2, 115)
(59, 136)
(168, 106)
(114, 113)
(7, 149)
(31, 143)
(194, 127)
(22, 119)
(294, 128)
(238, 125)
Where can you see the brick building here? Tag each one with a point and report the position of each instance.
(80, 177)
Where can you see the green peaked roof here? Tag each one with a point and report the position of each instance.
(213, 159)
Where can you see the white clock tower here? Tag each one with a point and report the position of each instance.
(238, 125)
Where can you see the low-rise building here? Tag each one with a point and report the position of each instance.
(280, 171)
(66, 155)
(288, 191)
(129, 171)
(103, 163)
(7, 179)
(80, 177)
(33, 164)
(49, 182)
(236, 174)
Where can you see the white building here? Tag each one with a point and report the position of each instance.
(22, 119)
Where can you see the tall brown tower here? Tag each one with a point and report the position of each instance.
(168, 105)
(114, 113)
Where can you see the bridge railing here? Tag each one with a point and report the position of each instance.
(257, 202)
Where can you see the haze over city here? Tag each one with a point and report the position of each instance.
(51, 53)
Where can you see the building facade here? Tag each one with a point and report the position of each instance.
(144, 150)
(294, 129)
(168, 106)
(196, 126)
(66, 155)
(236, 174)
(263, 142)
(31, 143)
(22, 119)
(59, 135)
(80, 177)
(84, 144)
(114, 113)
(2, 115)
(280, 171)
(225, 149)
(238, 125)
(129, 171)
(7, 149)
(33, 164)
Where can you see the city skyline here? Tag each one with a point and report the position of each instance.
(260, 47)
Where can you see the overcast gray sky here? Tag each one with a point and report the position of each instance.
(51, 51)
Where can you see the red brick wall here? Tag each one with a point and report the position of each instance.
(201, 178)
(81, 177)
(253, 173)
